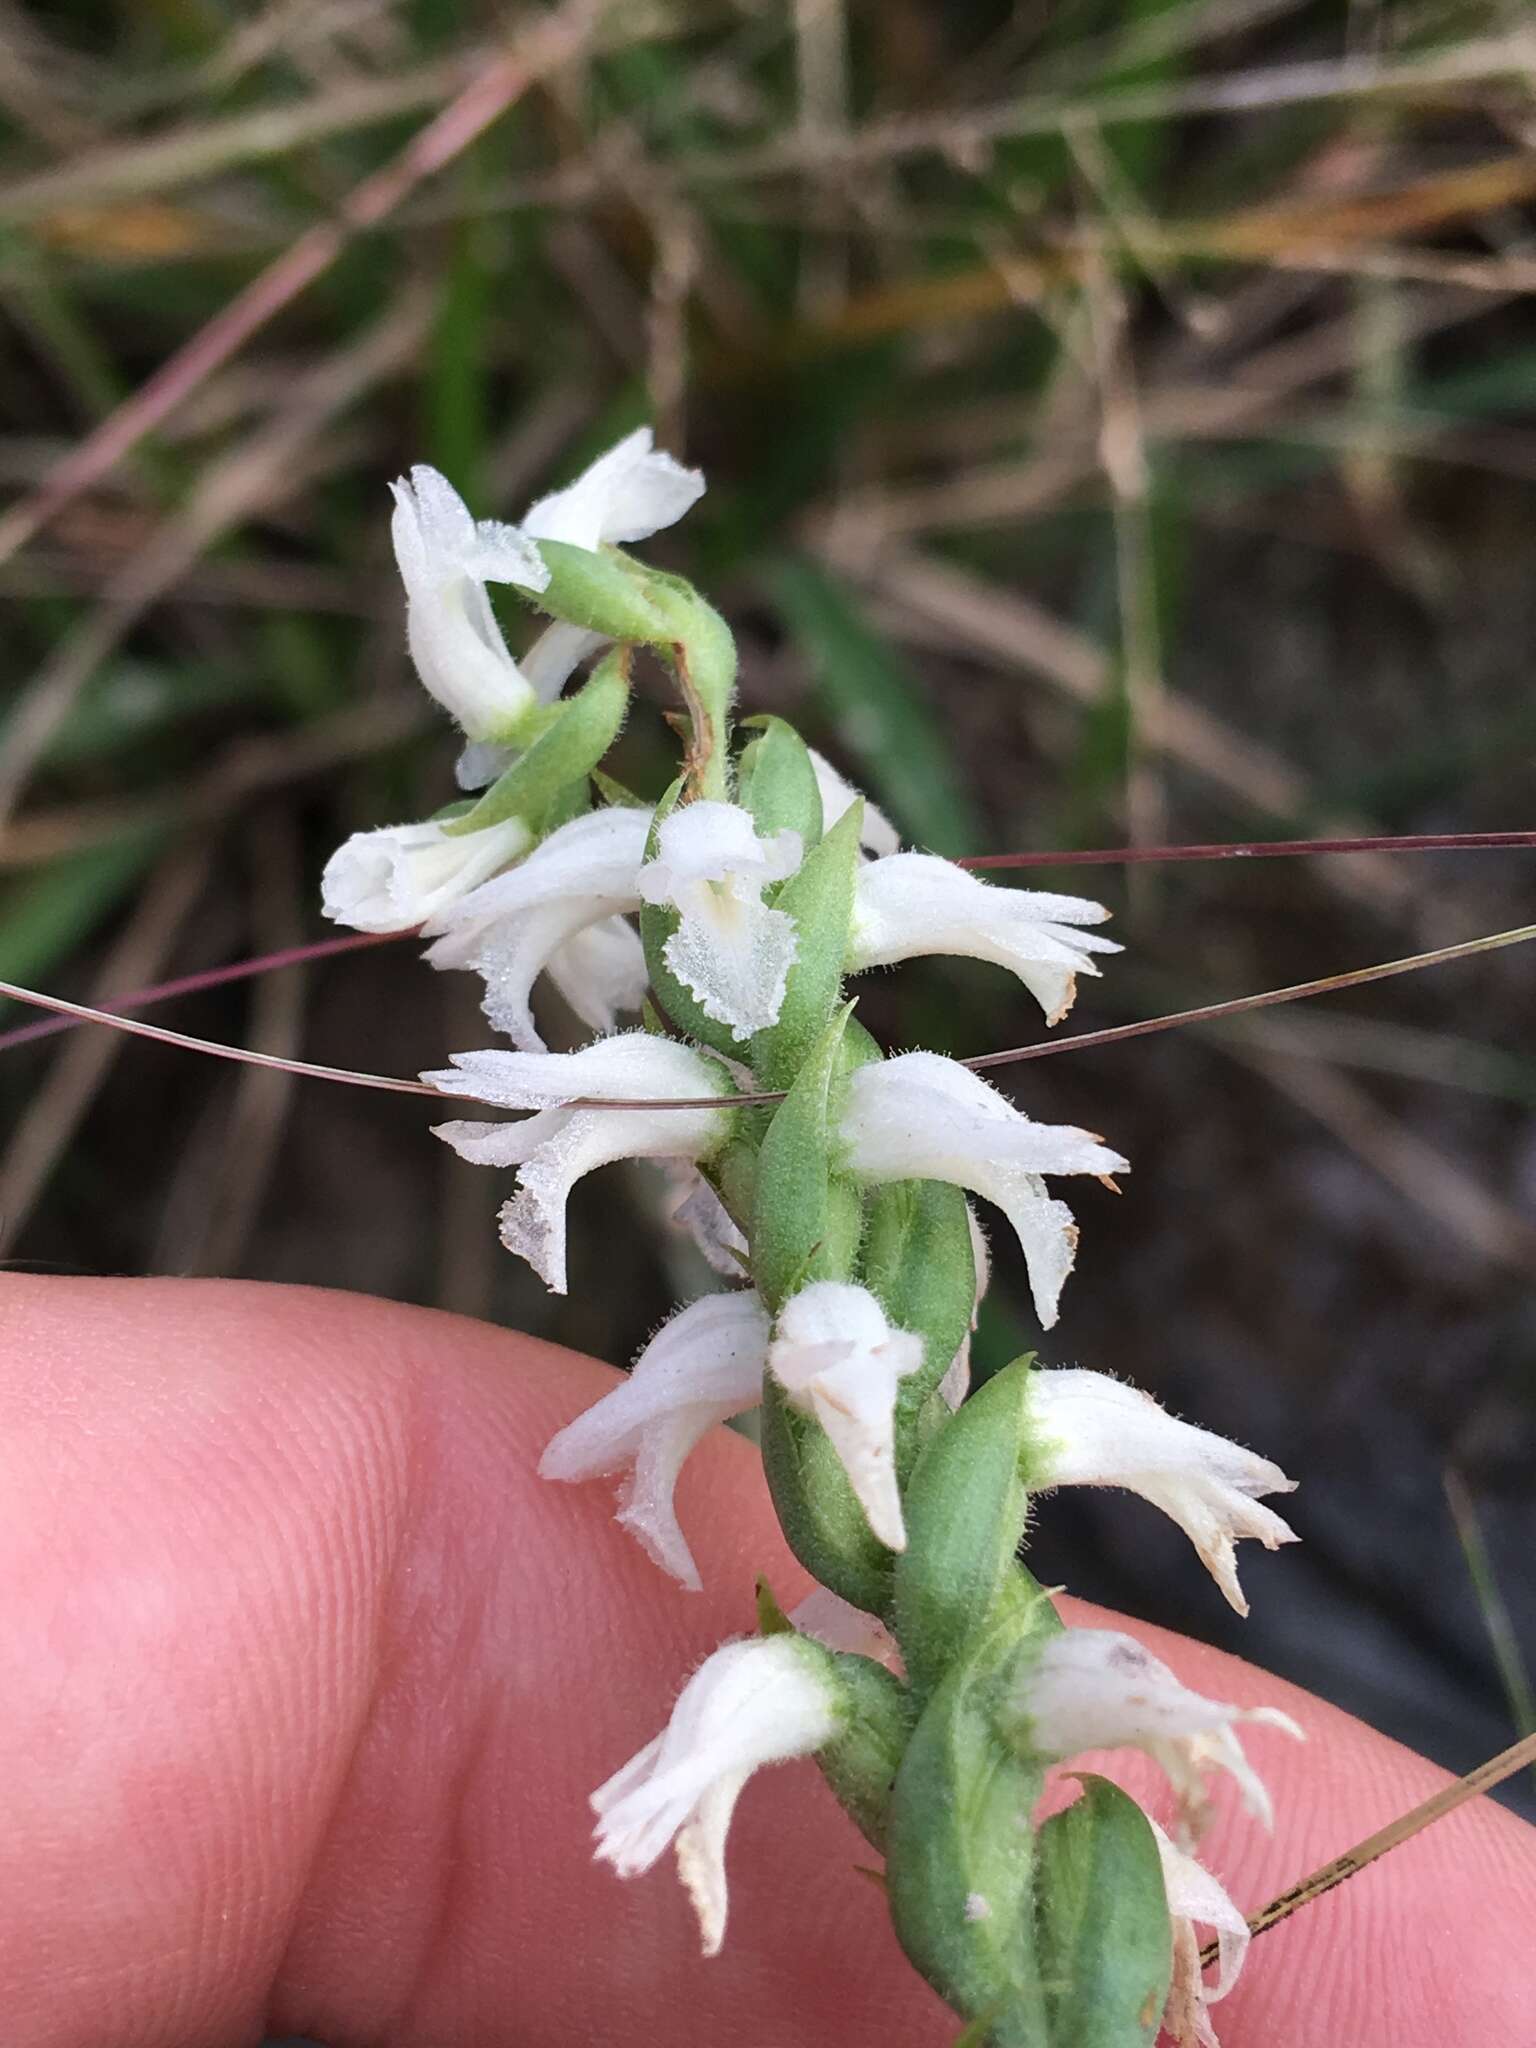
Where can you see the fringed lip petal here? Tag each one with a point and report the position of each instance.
(921, 1116)
(1195, 1896)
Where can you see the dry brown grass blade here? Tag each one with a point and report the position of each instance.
(56, 1110)
(488, 95)
(1013, 630)
(1365, 1853)
(263, 468)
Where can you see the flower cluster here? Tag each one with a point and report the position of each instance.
(728, 917)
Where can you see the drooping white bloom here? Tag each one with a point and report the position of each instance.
(400, 876)
(827, 1618)
(560, 911)
(837, 1357)
(628, 494)
(924, 1117)
(547, 667)
(915, 904)
(731, 951)
(556, 1147)
(1094, 1688)
(1090, 1430)
(878, 835)
(748, 1704)
(697, 1210)
(446, 558)
(701, 1367)
(1195, 1896)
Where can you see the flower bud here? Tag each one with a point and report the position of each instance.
(401, 876)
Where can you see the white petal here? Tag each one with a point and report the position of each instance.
(445, 560)
(701, 1367)
(1194, 1894)
(572, 1142)
(829, 1619)
(837, 1357)
(556, 655)
(594, 858)
(878, 836)
(749, 1704)
(1093, 1431)
(404, 875)
(628, 494)
(1098, 1689)
(601, 971)
(923, 1117)
(698, 1210)
(915, 904)
(481, 763)
(714, 842)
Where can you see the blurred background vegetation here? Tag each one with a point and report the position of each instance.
(1120, 418)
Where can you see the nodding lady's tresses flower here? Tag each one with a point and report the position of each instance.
(837, 1357)
(399, 877)
(749, 1704)
(701, 1367)
(915, 904)
(446, 558)
(549, 914)
(924, 1117)
(731, 951)
(1194, 1895)
(878, 835)
(556, 1147)
(628, 494)
(1090, 1430)
(1093, 1688)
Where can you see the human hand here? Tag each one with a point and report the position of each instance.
(305, 1677)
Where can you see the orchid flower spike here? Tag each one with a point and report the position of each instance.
(837, 1358)
(701, 1367)
(916, 904)
(749, 1704)
(731, 951)
(628, 494)
(446, 558)
(1094, 1688)
(877, 835)
(398, 877)
(1090, 1430)
(924, 1117)
(556, 1147)
(561, 912)
(1195, 1896)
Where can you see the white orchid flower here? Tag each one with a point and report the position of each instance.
(702, 1367)
(1090, 1430)
(1195, 1896)
(446, 558)
(915, 904)
(403, 875)
(749, 1704)
(628, 494)
(827, 1618)
(877, 835)
(561, 1143)
(924, 1117)
(547, 667)
(837, 1358)
(731, 951)
(1094, 1688)
(561, 911)
(698, 1211)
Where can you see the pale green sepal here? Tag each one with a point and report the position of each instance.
(918, 1259)
(617, 795)
(566, 752)
(776, 781)
(800, 1226)
(1102, 1934)
(658, 921)
(822, 1518)
(602, 590)
(861, 1761)
(965, 1509)
(819, 897)
(958, 1853)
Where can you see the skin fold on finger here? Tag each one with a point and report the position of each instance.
(306, 1677)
